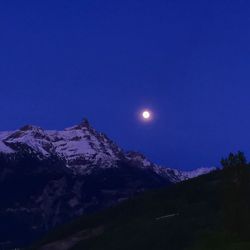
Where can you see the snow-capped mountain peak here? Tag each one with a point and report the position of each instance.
(84, 124)
(83, 149)
(83, 145)
(29, 136)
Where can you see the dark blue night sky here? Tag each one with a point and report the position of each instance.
(188, 61)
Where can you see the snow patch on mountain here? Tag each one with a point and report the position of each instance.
(197, 172)
(3, 147)
(34, 137)
(138, 159)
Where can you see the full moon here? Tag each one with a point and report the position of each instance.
(146, 115)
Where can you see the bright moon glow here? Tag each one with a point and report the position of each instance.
(146, 114)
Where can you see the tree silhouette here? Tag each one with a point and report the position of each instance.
(236, 194)
(234, 160)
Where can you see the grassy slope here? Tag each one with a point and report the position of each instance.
(204, 220)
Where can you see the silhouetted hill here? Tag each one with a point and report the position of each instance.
(210, 212)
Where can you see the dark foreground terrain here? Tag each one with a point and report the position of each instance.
(211, 212)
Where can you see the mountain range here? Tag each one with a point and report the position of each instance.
(49, 177)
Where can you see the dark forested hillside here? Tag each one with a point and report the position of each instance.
(208, 212)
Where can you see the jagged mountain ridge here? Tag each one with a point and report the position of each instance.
(83, 149)
(49, 177)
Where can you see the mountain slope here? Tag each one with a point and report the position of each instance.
(210, 212)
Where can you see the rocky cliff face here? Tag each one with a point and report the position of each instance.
(49, 177)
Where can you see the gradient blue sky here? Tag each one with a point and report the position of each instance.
(189, 61)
